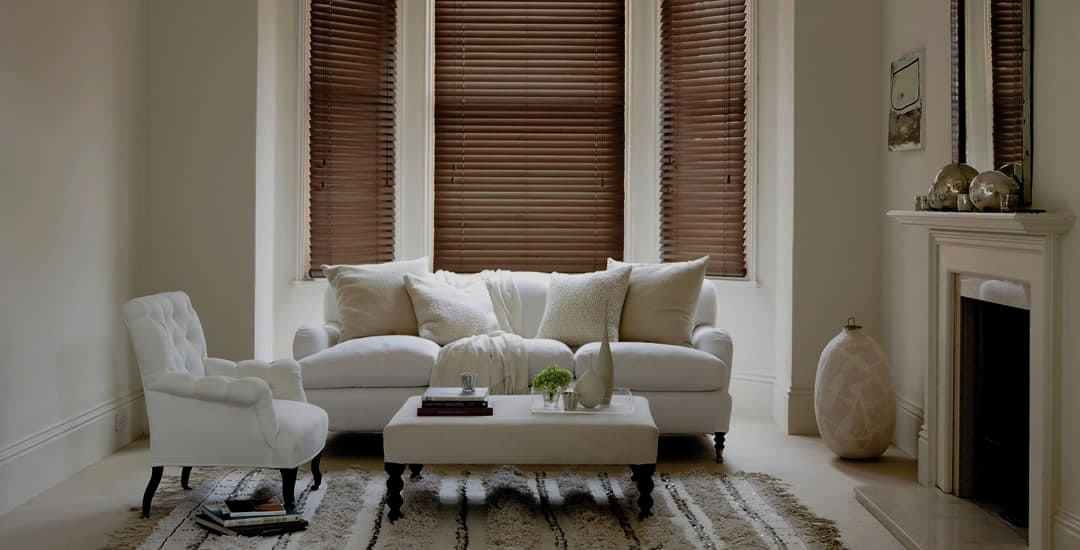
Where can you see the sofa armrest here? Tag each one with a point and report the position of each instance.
(311, 339)
(283, 375)
(716, 342)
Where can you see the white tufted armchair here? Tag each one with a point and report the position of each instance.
(213, 412)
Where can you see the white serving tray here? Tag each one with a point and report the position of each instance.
(621, 403)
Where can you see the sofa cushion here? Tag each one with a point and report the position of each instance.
(661, 301)
(643, 366)
(372, 300)
(577, 306)
(393, 361)
(446, 312)
(544, 353)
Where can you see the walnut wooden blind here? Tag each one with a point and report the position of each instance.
(528, 134)
(351, 132)
(1007, 65)
(703, 133)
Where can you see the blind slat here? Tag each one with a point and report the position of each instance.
(528, 134)
(1007, 67)
(351, 133)
(703, 133)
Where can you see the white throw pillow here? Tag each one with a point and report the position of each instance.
(372, 300)
(574, 313)
(661, 301)
(447, 312)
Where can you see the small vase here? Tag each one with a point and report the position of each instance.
(551, 399)
(590, 389)
(605, 365)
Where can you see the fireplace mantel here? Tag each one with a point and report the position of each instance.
(1027, 223)
(1017, 247)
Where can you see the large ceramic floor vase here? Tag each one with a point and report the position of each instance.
(594, 387)
(854, 401)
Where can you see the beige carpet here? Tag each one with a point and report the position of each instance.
(498, 508)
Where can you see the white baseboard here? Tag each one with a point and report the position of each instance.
(1066, 529)
(752, 394)
(909, 420)
(34, 464)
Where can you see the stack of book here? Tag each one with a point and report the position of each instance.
(250, 518)
(454, 402)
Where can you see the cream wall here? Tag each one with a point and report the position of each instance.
(197, 201)
(70, 137)
(915, 24)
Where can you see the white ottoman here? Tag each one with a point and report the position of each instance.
(516, 435)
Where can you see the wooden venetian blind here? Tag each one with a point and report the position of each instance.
(703, 140)
(351, 132)
(1007, 64)
(528, 134)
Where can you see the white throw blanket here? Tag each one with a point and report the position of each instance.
(499, 359)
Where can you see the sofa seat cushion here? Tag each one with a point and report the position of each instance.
(544, 353)
(643, 366)
(392, 361)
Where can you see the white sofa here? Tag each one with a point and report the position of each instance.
(362, 382)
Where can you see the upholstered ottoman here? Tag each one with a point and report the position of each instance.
(516, 435)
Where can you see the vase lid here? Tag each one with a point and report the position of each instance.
(851, 325)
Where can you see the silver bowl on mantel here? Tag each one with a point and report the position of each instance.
(952, 180)
(988, 188)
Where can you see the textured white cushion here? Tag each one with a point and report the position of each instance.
(514, 435)
(393, 361)
(644, 366)
(574, 313)
(545, 353)
(446, 312)
(661, 301)
(372, 300)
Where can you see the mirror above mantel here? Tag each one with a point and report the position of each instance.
(991, 86)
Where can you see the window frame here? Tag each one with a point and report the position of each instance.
(416, 132)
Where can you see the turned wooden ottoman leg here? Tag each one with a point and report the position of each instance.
(394, 484)
(415, 469)
(643, 477)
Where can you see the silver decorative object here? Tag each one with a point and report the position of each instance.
(1014, 170)
(932, 199)
(569, 400)
(1009, 202)
(963, 202)
(988, 188)
(950, 181)
(922, 203)
(468, 382)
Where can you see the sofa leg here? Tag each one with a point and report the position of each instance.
(316, 473)
(718, 442)
(185, 475)
(288, 487)
(151, 488)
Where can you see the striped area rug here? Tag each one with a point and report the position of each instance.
(503, 507)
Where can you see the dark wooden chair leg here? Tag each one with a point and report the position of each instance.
(288, 487)
(718, 441)
(316, 473)
(643, 477)
(185, 475)
(415, 469)
(151, 488)
(394, 484)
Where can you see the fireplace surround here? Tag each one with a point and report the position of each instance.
(1022, 249)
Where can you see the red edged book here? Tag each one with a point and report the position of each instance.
(454, 411)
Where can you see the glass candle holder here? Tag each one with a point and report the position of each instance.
(963, 202)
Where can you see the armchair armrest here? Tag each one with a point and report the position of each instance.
(180, 403)
(283, 376)
(716, 342)
(311, 339)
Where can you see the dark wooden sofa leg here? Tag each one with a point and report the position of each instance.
(185, 475)
(288, 487)
(719, 443)
(316, 473)
(151, 488)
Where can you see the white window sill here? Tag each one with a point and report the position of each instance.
(731, 283)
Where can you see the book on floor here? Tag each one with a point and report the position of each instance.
(454, 411)
(454, 394)
(253, 508)
(265, 530)
(222, 518)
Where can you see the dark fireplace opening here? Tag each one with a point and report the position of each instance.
(993, 408)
